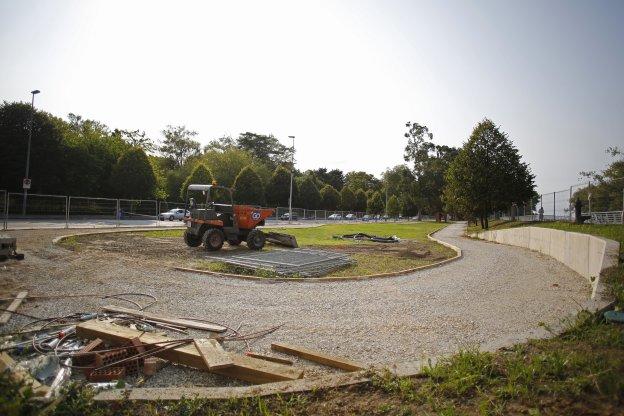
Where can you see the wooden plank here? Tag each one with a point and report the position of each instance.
(318, 356)
(269, 358)
(4, 318)
(244, 368)
(17, 374)
(168, 320)
(213, 354)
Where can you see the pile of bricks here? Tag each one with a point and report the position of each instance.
(128, 368)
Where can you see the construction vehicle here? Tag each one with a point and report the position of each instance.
(212, 223)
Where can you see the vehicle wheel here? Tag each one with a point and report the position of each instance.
(234, 242)
(191, 240)
(213, 239)
(255, 240)
(171, 218)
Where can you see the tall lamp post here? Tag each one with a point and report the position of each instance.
(292, 168)
(26, 182)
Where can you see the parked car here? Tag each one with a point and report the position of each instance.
(286, 216)
(173, 214)
(351, 217)
(335, 217)
(367, 217)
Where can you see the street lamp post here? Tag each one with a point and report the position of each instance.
(292, 168)
(30, 126)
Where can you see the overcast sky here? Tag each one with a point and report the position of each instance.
(342, 76)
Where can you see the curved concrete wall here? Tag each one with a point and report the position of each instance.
(585, 254)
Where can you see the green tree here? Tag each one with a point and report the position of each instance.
(264, 148)
(362, 180)
(330, 198)
(278, 189)
(132, 176)
(347, 199)
(334, 177)
(487, 175)
(360, 201)
(394, 208)
(248, 188)
(375, 204)
(200, 175)
(178, 144)
(606, 185)
(308, 195)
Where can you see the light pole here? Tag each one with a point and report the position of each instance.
(30, 125)
(292, 168)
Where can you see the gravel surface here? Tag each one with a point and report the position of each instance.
(494, 296)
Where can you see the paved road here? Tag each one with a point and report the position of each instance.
(494, 296)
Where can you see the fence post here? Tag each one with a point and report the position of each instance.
(570, 204)
(67, 199)
(622, 207)
(117, 213)
(589, 197)
(554, 206)
(6, 209)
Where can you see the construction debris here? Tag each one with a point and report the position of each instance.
(8, 248)
(368, 237)
(286, 240)
(175, 322)
(297, 262)
(318, 357)
(213, 354)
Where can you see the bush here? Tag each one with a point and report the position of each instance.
(278, 189)
(360, 200)
(309, 196)
(393, 209)
(248, 188)
(375, 204)
(200, 175)
(347, 199)
(330, 198)
(132, 176)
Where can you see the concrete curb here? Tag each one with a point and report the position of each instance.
(458, 255)
(60, 238)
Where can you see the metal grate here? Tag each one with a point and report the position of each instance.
(295, 262)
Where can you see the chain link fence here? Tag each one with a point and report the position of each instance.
(58, 211)
(601, 202)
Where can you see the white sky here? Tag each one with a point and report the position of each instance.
(343, 77)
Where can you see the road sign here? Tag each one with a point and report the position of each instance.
(26, 183)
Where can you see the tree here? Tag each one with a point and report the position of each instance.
(606, 186)
(360, 201)
(362, 180)
(178, 144)
(347, 199)
(488, 174)
(200, 175)
(226, 165)
(330, 198)
(334, 177)
(264, 148)
(137, 138)
(375, 204)
(393, 209)
(419, 144)
(278, 189)
(132, 177)
(248, 188)
(309, 196)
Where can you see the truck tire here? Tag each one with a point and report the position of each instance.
(255, 240)
(213, 239)
(192, 240)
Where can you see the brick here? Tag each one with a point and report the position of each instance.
(94, 345)
(152, 365)
(107, 374)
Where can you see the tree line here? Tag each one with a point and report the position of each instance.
(84, 157)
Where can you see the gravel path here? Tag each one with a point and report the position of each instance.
(494, 296)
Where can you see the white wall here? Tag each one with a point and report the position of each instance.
(586, 254)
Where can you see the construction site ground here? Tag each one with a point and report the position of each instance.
(495, 295)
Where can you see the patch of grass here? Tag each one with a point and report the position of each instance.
(70, 243)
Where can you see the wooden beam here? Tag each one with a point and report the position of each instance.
(4, 318)
(318, 356)
(165, 319)
(213, 354)
(269, 358)
(244, 368)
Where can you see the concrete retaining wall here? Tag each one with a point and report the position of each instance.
(585, 254)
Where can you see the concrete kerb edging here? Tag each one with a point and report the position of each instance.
(60, 238)
(458, 255)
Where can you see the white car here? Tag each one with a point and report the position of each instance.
(335, 217)
(172, 214)
(351, 217)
